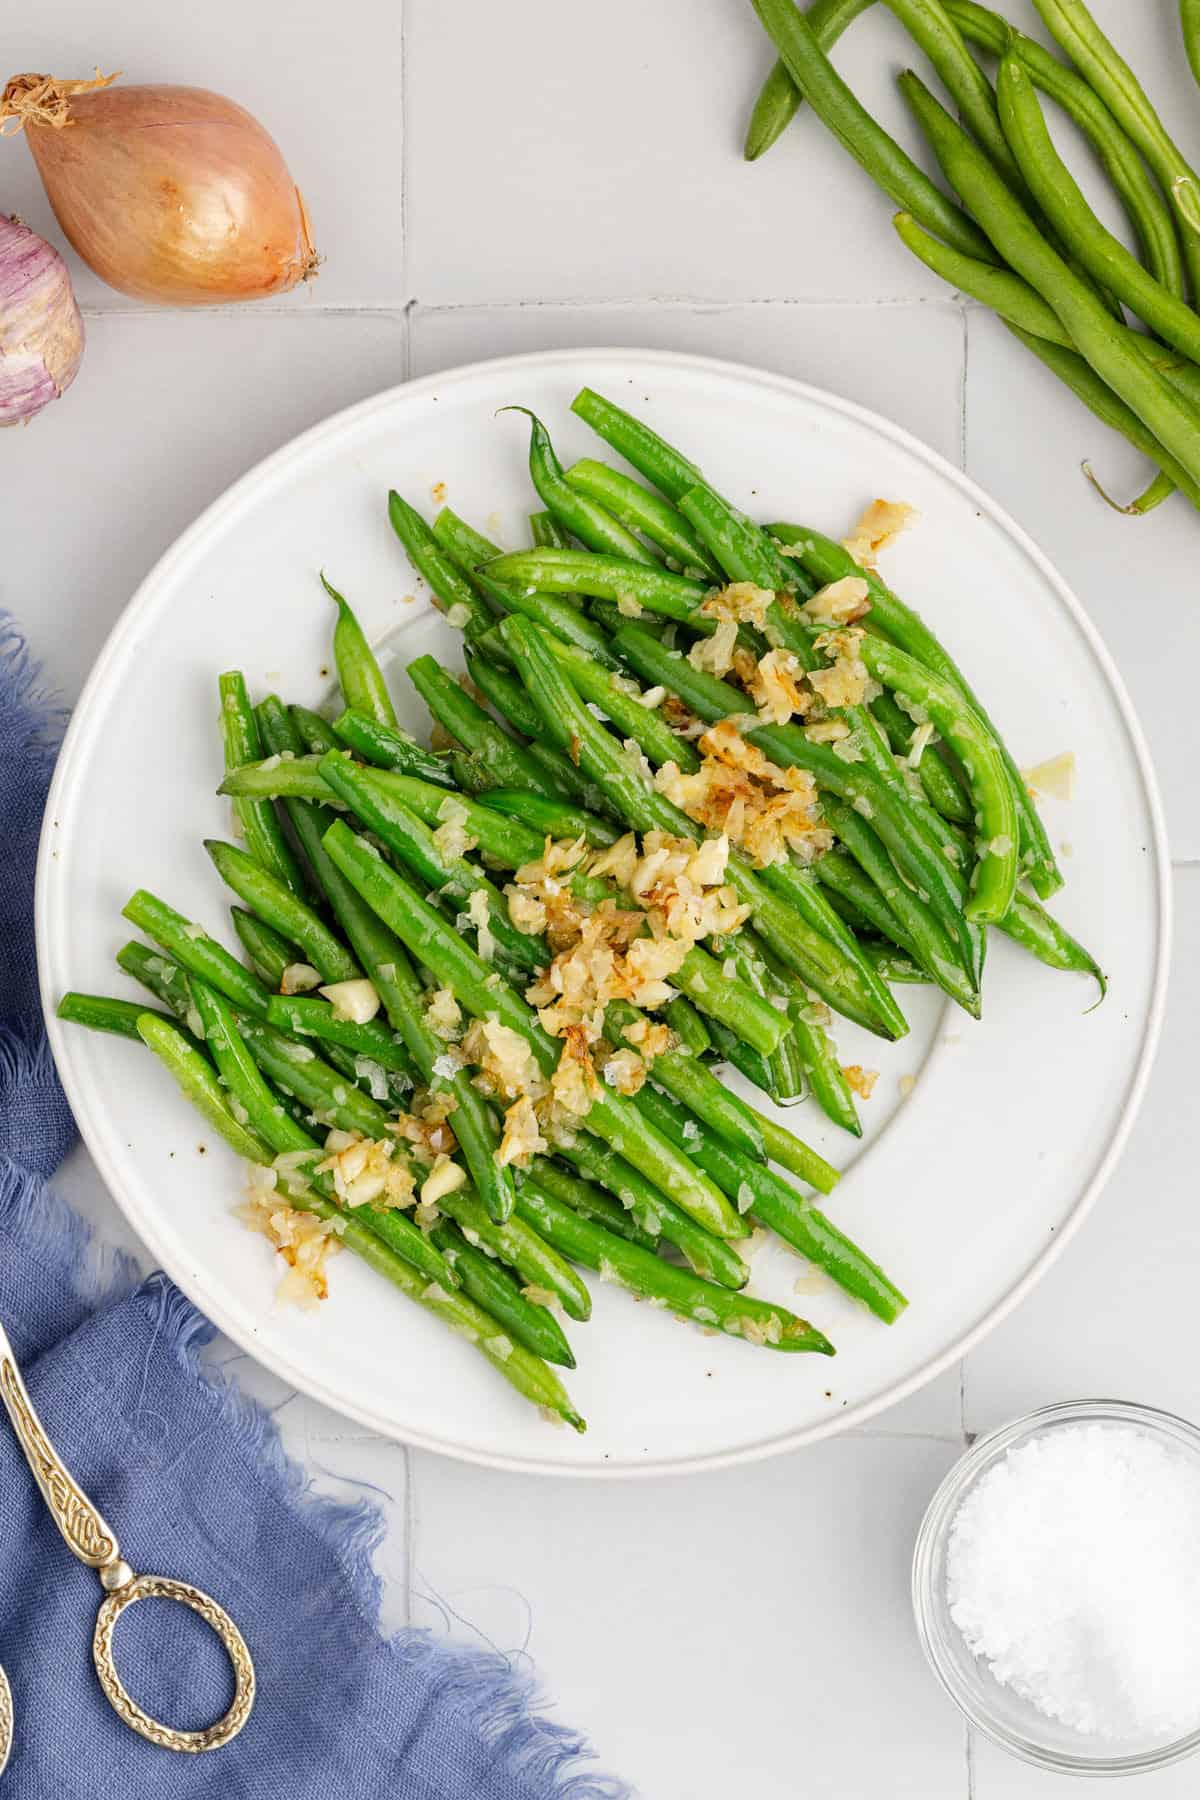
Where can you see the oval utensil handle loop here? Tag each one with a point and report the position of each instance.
(6, 1720)
(161, 1587)
(84, 1528)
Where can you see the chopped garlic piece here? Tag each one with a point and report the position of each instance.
(1055, 777)
(522, 1139)
(443, 1014)
(714, 655)
(299, 978)
(741, 601)
(355, 1001)
(880, 525)
(840, 603)
(452, 838)
(480, 916)
(860, 1080)
(444, 1178)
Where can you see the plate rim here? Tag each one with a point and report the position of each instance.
(262, 473)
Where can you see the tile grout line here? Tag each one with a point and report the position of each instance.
(404, 181)
(573, 302)
(969, 1748)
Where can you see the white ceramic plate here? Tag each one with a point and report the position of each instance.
(964, 1190)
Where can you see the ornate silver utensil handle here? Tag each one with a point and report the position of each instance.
(89, 1537)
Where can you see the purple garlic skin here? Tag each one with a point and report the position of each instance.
(41, 331)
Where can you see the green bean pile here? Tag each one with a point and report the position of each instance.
(1028, 244)
(346, 882)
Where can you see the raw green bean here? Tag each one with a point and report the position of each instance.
(257, 819)
(316, 733)
(1122, 164)
(780, 98)
(639, 509)
(1075, 31)
(522, 1247)
(193, 1075)
(533, 1379)
(198, 953)
(792, 1217)
(1189, 19)
(276, 906)
(709, 1256)
(484, 994)
(450, 590)
(583, 517)
(1020, 306)
(1100, 400)
(389, 748)
(1084, 315)
(99, 1012)
(867, 142)
(647, 1276)
(491, 1286)
(592, 1202)
(472, 552)
(359, 675)
(1061, 199)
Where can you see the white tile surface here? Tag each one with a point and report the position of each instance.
(702, 1629)
(490, 180)
(628, 182)
(905, 361)
(166, 412)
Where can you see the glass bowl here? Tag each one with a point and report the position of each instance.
(1004, 1716)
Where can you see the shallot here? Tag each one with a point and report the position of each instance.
(171, 194)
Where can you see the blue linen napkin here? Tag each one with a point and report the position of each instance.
(191, 1476)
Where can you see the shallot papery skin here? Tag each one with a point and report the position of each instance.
(171, 194)
(41, 332)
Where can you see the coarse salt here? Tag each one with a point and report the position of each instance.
(1073, 1572)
